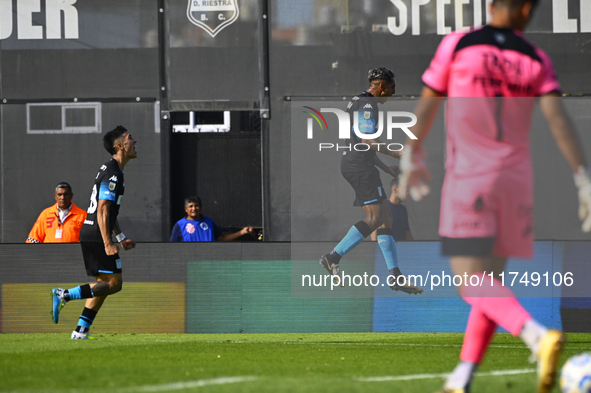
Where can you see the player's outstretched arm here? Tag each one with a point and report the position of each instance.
(235, 235)
(426, 112)
(562, 130)
(393, 170)
(569, 144)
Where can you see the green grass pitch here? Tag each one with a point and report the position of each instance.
(336, 362)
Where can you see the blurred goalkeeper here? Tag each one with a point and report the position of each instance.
(487, 201)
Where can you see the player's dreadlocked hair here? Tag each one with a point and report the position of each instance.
(110, 138)
(381, 73)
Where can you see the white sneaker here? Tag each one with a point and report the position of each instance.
(81, 336)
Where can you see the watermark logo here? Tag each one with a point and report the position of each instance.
(212, 15)
(316, 115)
(389, 120)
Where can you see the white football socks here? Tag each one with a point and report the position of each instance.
(532, 333)
(461, 376)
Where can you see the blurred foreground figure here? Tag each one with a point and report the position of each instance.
(487, 201)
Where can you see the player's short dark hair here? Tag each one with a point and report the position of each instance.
(110, 138)
(381, 73)
(515, 3)
(193, 199)
(65, 185)
(394, 182)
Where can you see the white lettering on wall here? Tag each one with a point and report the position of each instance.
(560, 20)
(442, 29)
(24, 20)
(400, 27)
(27, 30)
(459, 13)
(454, 11)
(561, 23)
(416, 15)
(585, 16)
(53, 17)
(5, 18)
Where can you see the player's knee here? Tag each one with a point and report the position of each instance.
(379, 222)
(374, 222)
(115, 286)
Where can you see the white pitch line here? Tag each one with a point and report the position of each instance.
(523, 346)
(404, 344)
(186, 385)
(442, 375)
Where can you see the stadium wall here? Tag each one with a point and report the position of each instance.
(142, 59)
(318, 199)
(253, 288)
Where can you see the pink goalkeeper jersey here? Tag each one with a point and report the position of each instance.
(490, 76)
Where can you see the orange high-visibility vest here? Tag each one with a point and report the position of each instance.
(48, 223)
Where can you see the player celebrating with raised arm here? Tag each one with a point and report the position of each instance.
(100, 254)
(359, 169)
(487, 201)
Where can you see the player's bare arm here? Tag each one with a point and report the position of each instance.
(103, 223)
(570, 146)
(562, 129)
(393, 170)
(426, 112)
(235, 235)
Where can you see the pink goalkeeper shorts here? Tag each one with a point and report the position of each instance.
(497, 205)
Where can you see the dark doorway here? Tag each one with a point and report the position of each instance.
(223, 167)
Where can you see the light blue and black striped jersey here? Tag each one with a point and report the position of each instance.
(108, 185)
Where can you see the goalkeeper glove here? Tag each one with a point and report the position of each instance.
(583, 182)
(414, 174)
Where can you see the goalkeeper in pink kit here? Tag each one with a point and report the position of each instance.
(492, 76)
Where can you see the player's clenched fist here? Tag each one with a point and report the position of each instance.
(111, 249)
(127, 244)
